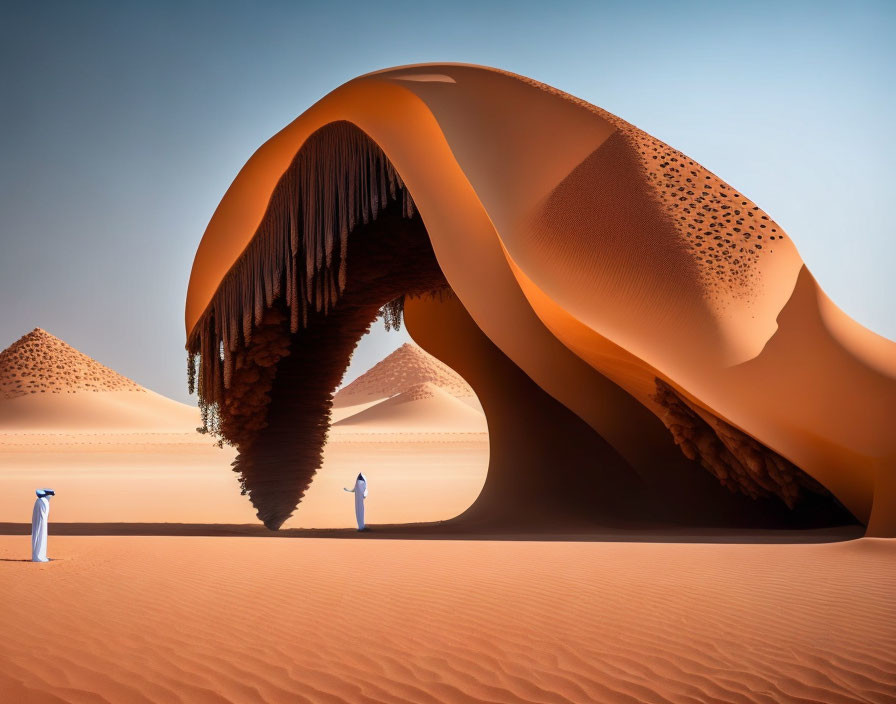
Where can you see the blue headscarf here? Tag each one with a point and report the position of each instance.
(41, 493)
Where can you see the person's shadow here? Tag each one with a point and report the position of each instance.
(12, 559)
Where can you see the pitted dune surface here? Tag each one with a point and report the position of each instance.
(589, 262)
(48, 385)
(406, 367)
(39, 363)
(724, 231)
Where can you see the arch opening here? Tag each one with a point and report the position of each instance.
(388, 258)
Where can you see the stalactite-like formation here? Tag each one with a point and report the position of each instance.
(392, 313)
(276, 407)
(338, 180)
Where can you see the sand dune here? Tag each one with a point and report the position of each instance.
(45, 384)
(281, 620)
(40, 363)
(665, 311)
(406, 367)
(402, 371)
(422, 408)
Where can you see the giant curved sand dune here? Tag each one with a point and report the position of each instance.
(645, 341)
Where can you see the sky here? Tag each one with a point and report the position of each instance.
(122, 124)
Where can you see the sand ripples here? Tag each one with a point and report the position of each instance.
(279, 620)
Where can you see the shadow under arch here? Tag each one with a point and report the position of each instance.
(341, 239)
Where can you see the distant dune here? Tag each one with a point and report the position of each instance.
(406, 367)
(46, 384)
(408, 391)
(422, 408)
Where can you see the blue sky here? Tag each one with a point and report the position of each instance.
(123, 123)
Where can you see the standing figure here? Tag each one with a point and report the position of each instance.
(39, 519)
(360, 492)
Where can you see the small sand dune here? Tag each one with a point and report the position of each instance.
(46, 384)
(422, 408)
(42, 363)
(405, 368)
(159, 619)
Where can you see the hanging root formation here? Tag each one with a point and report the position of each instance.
(737, 460)
(338, 180)
(392, 313)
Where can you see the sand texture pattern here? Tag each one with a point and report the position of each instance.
(670, 315)
(47, 385)
(215, 620)
(42, 363)
(406, 367)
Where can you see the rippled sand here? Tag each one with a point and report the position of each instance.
(177, 619)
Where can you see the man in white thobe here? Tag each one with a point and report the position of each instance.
(360, 492)
(39, 519)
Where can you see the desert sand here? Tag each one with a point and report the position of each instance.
(141, 612)
(661, 380)
(177, 619)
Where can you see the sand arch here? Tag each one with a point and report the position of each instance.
(646, 326)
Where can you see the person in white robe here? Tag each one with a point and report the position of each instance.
(360, 492)
(39, 519)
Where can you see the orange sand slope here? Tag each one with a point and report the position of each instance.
(48, 385)
(659, 327)
(282, 620)
(42, 363)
